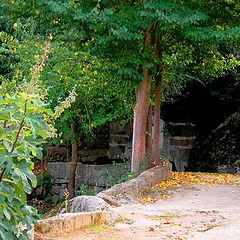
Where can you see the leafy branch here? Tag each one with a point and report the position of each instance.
(16, 139)
(20, 126)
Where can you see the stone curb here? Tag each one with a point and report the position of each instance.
(128, 192)
(68, 222)
(123, 193)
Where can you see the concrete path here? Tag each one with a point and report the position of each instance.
(198, 212)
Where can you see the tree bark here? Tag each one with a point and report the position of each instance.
(73, 165)
(141, 115)
(149, 137)
(156, 132)
(157, 104)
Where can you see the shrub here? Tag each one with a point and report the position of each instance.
(23, 129)
(118, 173)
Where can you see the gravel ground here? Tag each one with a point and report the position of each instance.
(195, 212)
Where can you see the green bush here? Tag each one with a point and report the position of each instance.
(118, 173)
(45, 182)
(23, 129)
(86, 190)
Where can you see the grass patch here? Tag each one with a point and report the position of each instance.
(100, 228)
(121, 219)
(167, 216)
(55, 210)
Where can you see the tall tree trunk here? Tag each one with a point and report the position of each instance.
(141, 115)
(157, 104)
(73, 164)
(149, 146)
(156, 131)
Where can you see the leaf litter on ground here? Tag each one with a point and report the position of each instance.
(165, 189)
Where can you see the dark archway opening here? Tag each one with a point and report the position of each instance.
(207, 107)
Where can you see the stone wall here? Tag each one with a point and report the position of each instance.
(85, 155)
(60, 171)
(120, 141)
(182, 138)
(87, 174)
(58, 154)
(176, 142)
(58, 164)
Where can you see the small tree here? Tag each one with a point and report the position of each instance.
(144, 38)
(23, 129)
(24, 126)
(70, 66)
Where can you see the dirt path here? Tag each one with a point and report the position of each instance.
(198, 212)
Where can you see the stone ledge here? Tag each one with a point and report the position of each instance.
(68, 222)
(124, 193)
(128, 192)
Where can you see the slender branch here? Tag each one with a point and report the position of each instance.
(71, 70)
(20, 127)
(5, 122)
(3, 171)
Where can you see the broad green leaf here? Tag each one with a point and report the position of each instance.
(2, 199)
(39, 153)
(16, 176)
(8, 100)
(6, 235)
(23, 237)
(4, 158)
(7, 213)
(20, 194)
(7, 145)
(6, 225)
(31, 176)
(42, 134)
(4, 116)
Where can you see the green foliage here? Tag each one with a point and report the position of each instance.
(23, 129)
(71, 67)
(66, 200)
(118, 173)
(45, 179)
(45, 182)
(192, 38)
(87, 190)
(25, 124)
(97, 55)
(48, 198)
(8, 59)
(98, 50)
(100, 99)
